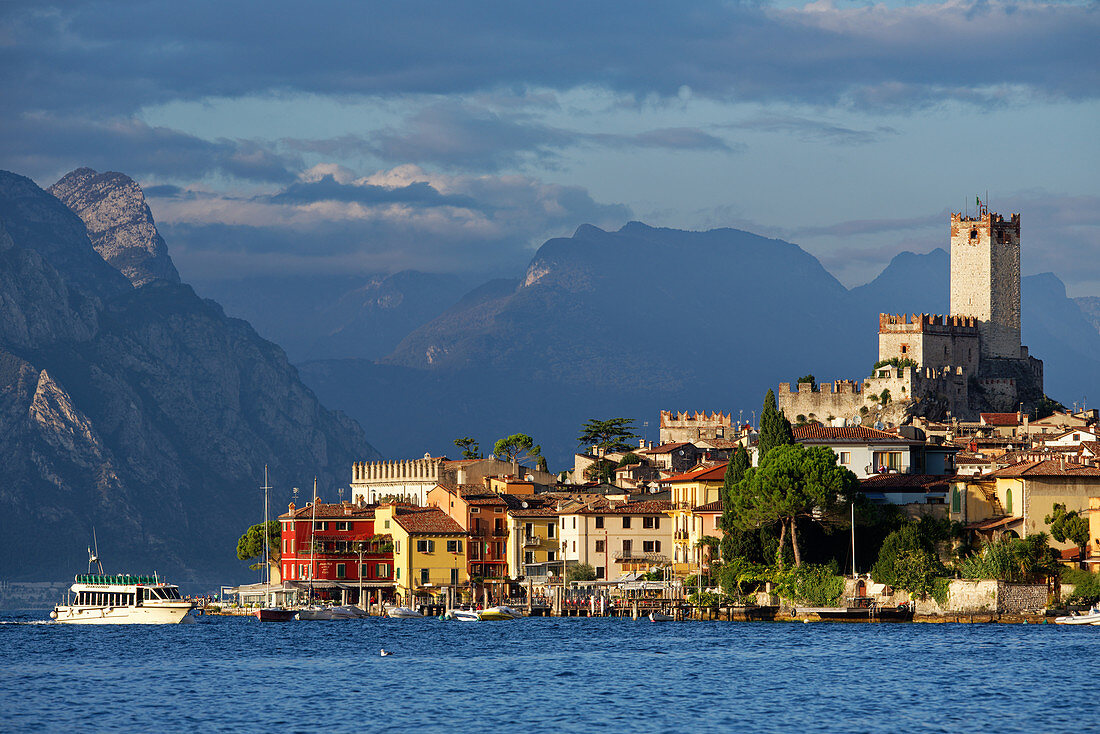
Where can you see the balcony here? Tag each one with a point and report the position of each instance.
(640, 557)
(532, 540)
(681, 536)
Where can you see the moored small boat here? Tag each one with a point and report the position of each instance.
(661, 617)
(464, 615)
(275, 614)
(1092, 616)
(402, 613)
(498, 614)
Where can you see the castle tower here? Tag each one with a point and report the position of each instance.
(985, 279)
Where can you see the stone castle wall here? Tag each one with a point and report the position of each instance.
(677, 427)
(930, 340)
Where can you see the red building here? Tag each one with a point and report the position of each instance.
(336, 547)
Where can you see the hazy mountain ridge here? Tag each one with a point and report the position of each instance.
(142, 412)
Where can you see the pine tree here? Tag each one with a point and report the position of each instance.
(735, 472)
(775, 429)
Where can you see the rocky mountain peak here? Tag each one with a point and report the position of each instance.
(120, 225)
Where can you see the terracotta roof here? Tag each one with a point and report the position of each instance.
(1047, 468)
(1000, 419)
(549, 511)
(491, 498)
(426, 520)
(905, 483)
(706, 474)
(818, 432)
(330, 512)
(715, 506)
(1092, 446)
(640, 507)
(964, 457)
(666, 448)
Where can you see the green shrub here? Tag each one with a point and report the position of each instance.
(939, 590)
(816, 586)
(1086, 586)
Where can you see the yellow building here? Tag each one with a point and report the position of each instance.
(1018, 498)
(694, 495)
(429, 549)
(1093, 556)
(534, 543)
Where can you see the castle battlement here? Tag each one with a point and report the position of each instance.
(987, 219)
(691, 420)
(836, 387)
(926, 323)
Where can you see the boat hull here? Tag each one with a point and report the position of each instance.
(276, 615)
(497, 614)
(162, 614)
(402, 613)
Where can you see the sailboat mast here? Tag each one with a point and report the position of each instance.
(312, 540)
(854, 574)
(266, 576)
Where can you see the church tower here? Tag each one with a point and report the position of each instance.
(985, 279)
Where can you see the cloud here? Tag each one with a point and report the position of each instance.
(390, 220)
(48, 146)
(116, 57)
(810, 130)
(455, 135)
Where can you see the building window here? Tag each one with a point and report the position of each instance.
(574, 546)
(341, 570)
(600, 546)
(626, 523)
(887, 460)
(397, 546)
(383, 570)
(956, 504)
(528, 557)
(454, 546)
(845, 457)
(904, 348)
(425, 577)
(425, 546)
(397, 573)
(362, 570)
(343, 526)
(599, 521)
(1008, 501)
(320, 525)
(550, 528)
(529, 529)
(303, 571)
(651, 523)
(454, 576)
(601, 572)
(474, 510)
(574, 522)
(628, 545)
(551, 556)
(647, 546)
(386, 524)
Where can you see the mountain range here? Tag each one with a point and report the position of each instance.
(133, 412)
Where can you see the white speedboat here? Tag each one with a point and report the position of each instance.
(121, 599)
(661, 617)
(1092, 616)
(402, 613)
(464, 615)
(315, 613)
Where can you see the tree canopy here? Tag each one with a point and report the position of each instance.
(470, 448)
(775, 429)
(613, 434)
(580, 572)
(519, 446)
(735, 471)
(1068, 526)
(792, 482)
(251, 544)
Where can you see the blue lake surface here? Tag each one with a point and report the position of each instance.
(547, 675)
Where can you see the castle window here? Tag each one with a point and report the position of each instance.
(904, 348)
(974, 234)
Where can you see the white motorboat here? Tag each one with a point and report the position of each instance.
(121, 599)
(464, 615)
(1092, 616)
(661, 617)
(348, 611)
(316, 613)
(402, 613)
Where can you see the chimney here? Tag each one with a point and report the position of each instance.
(291, 508)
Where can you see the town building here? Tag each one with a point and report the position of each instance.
(690, 427)
(868, 451)
(409, 481)
(701, 488)
(429, 550)
(334, 551)
(533, 545)
(1018, 498)
(672, 457)
(484, 517)
(616, 537)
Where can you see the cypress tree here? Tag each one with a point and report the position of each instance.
(775, 429)
(735, 472)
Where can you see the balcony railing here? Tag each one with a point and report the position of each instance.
(640, 557)
(680, 535)
(532, 540)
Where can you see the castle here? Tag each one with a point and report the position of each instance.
(941, 366)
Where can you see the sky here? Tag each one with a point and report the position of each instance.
(286, 137)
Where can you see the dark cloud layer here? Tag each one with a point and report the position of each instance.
(114, 57)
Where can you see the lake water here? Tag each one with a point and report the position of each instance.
(547, 675)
